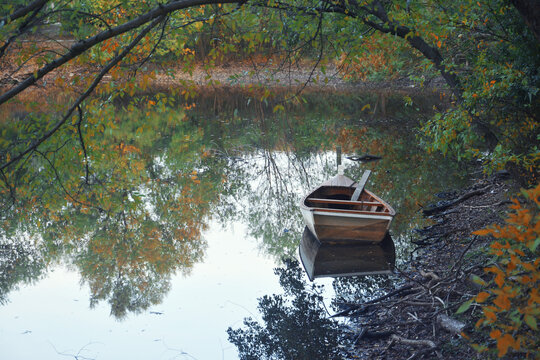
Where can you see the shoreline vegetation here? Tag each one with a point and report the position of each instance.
(237, 76)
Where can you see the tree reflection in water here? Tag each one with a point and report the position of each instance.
(294, 325)
(127, 222)
(129, 211)
(19, 263)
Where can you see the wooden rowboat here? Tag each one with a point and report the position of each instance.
(345, 259)
(341, 209)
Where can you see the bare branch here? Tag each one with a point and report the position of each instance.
(81, 139)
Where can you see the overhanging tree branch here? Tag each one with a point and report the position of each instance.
(88, 91)
(84, 45)
(26, 24)
(23, 11)
(431, 53)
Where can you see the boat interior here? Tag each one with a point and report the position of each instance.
(330, 197)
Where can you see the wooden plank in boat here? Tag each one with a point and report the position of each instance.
(361, 185)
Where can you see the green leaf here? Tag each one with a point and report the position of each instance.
(464, 307)
(478, 280)
(531, 321)
(479, 348)
(533, 245)
(525, 193)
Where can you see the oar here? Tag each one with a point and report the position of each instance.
(360, 185)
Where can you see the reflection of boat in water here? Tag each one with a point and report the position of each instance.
(341, 209)
(332, 259)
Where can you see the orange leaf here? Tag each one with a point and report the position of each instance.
(504, 342)
(482, 232)
(490, 315)
(481, 297)
(499, 280)
(502, 302)
(495, 334)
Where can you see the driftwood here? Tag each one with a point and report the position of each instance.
(357, 307)
(438, 209)
(421, 302)
(421, 342)
(451, 325)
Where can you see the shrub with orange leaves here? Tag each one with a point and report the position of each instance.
(510, 300)
(380, 57)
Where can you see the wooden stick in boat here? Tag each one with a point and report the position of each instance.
(360, 186)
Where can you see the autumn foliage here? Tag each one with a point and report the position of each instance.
(379, 57)
(509, 301)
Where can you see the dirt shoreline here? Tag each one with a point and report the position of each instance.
(305, 76)
(414, 322)
(238, 76)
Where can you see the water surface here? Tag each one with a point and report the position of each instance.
(201, 206)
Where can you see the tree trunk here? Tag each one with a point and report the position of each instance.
(530, 11)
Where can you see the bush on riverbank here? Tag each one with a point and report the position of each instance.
(510, 298)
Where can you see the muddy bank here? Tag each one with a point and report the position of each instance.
(417, 318)
(304, 75)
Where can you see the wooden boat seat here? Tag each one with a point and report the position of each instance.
(365, 212)
(367, 206)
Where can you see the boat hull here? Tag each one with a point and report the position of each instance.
(341, 226)
(332, 217)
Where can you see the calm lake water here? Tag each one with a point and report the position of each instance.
(196, 244)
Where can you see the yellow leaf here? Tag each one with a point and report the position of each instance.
(278, 107)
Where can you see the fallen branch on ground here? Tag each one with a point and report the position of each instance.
(437, 209)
